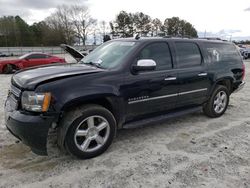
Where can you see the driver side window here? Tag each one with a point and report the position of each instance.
(160, 53)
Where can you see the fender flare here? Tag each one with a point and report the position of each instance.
(216, 83)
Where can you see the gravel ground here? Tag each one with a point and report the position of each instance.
(190, 151)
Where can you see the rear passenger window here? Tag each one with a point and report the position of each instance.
(188, 54)
(160, 53)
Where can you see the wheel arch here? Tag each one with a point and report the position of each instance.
(69, 109)
(111, 102)
(225, 81)
(15, 66)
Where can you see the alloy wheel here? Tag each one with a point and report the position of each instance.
(92, 133)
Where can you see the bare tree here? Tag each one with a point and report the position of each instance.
(61, 22)
(156, 26)
(104, 27)
(82, 22)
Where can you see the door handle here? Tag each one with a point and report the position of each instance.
(202, 74)
(170, 78)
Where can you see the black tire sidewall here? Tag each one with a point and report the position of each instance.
(69, 140)
(211, 101)
(245, 54)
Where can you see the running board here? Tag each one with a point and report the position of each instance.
(161, 118)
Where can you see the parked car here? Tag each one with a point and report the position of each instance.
(123, 83)
(2, 54)
(245, 52)
(28, 60)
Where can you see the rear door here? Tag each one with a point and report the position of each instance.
(193, 78)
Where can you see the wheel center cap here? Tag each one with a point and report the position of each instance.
(92, 132)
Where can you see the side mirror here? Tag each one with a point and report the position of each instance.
(27, 59)
(145, 65)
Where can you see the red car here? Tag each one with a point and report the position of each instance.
(28, 60)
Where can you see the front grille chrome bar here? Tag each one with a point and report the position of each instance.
(15, 91)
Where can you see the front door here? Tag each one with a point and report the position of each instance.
(150, 92)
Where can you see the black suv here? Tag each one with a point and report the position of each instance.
(121, 84)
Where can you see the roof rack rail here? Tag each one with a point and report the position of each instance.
(178, 36)
(210, 38)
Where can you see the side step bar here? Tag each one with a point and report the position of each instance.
(161, 118)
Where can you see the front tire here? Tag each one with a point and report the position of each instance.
(91, 132)
(218, 102)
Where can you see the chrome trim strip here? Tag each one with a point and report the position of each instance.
(15, 91)
(170, 78)
(193, 91)
(202, 74)
(166, 96)
(13, 99)
(153, 98)
(240, 87)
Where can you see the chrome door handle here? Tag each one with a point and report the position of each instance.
(202, 74)
(170, 78)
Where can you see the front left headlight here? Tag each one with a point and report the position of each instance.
(35, 102)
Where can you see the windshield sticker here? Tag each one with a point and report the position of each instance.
(99, 61)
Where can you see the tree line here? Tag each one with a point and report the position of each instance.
(128, 24)
(73, 24)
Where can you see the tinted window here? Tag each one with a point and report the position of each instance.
(160, 53)
(222, 52)
(37, 56)
(188, 54)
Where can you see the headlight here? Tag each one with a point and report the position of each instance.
(36, 102)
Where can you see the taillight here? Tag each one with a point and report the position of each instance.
(244, 71)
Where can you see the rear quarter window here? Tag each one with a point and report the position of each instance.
(222, 52)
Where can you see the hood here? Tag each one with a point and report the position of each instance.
(72, 51)
(30, 78)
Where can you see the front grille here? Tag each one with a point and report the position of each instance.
(14, 96)
(15, 91)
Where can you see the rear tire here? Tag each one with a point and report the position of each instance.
(7, 69)
(245, 55)
(218, 102)
(91, 132)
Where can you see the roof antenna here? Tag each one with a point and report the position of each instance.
(137, 37)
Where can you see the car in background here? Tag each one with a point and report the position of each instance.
(2, 54)
(244, 51)
(28, 60)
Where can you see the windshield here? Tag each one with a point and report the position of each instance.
(109, 55)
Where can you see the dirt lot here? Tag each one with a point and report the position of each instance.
(191, 151)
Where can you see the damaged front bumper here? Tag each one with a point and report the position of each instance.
(32, 130)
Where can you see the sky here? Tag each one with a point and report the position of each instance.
(218, 18)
